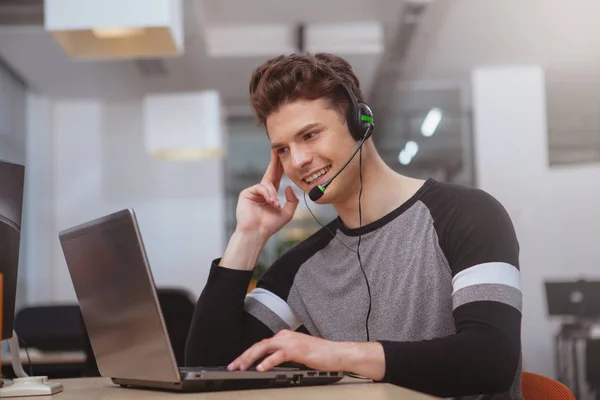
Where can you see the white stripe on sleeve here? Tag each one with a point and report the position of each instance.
(494, 272)
(277, 305)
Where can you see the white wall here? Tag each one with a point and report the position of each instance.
(556, 211)
(93, 156)
(457, 35)
(38, 216)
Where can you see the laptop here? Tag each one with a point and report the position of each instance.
(573, 298)
(115, 288)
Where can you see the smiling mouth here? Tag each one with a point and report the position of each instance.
(318, 177)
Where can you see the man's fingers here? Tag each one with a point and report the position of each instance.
(250, 356)
(262, 191)
(272, 190)
(280, 356)
(292, 202)
(290, 195)
(274, 171)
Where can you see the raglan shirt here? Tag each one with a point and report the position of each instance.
(443, 271)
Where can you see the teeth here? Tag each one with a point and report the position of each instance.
(316, 175)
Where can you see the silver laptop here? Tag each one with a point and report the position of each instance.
(118, 300)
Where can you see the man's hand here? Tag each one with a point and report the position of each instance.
(259, 215)
(258, 208)
(366, 359)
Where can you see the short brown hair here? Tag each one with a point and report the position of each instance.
(287, 78)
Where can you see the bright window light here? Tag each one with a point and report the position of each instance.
(431, 122)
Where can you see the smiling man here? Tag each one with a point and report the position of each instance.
(415, 283)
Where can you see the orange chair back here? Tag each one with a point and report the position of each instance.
(539, 387)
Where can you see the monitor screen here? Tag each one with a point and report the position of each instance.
(12, 178)
(573, 298)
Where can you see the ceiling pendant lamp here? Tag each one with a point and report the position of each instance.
(184, 126)
(116, 29)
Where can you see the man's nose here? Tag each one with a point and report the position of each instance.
(300, 158)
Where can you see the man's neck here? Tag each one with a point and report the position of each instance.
(383, 190)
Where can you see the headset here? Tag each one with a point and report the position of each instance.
(360, 121)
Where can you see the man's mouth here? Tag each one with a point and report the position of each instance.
(318, 177)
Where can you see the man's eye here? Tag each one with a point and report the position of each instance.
(310, 135)
(281, 150)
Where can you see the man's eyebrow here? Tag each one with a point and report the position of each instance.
(302, 131)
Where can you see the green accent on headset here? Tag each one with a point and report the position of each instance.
(322, 188)
(366, 118)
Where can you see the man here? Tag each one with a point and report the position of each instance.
(416, 283)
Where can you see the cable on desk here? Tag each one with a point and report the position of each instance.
(28, 359)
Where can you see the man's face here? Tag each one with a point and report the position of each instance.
(313, 143)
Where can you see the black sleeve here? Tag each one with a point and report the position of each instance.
(221, 330)
(483, 356)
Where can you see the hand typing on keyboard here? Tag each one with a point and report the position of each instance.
(314, 353)
(283, 367)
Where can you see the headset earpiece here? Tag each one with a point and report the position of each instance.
(359, 116)
(366, 121)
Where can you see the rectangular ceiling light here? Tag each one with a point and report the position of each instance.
(359, 37)
(116, 29)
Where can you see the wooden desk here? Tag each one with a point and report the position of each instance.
(347, 389)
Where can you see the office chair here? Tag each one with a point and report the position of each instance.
(56, 328)
(51, 328)
(539, 387)
(178, 308)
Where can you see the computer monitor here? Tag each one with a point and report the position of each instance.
(579, 299)
(12, 178)
(12, 182)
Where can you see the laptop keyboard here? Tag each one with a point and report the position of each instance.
(224, 369)
(207, 369)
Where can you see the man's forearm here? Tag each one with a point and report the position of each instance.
(243, 250)
(220, 328)
(365, 359)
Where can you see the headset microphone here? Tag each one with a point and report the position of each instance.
(317, 192)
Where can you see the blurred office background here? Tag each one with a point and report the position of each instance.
(499, 94)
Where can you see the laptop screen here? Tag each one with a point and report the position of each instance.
(114, 285)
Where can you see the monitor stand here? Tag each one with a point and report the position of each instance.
(25, 385)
